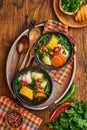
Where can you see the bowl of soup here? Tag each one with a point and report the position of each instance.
(53, 50)
(32, 86)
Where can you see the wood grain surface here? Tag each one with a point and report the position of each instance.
(15, 17)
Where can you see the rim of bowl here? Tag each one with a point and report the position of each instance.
(52, 67)
(23, 71)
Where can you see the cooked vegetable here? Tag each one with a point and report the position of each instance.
(52, 42)
(58, 60)
(24, 83)
(62, 57)
(74, 118)
(26, 77)
(44, 83)
(36, 75)
(46, 60)
(42, 48)
(64, 43)
(57, 49)
(68, 95)
(40, 90)
(27, 92)
(40, 95)
(38, 82)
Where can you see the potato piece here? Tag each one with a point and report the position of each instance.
(36, 75)
(43, 84)
(46, 60)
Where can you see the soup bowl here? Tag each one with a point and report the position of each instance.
(53, 50)
(32, 86)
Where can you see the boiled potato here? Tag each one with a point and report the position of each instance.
(44, 83)
(46, 60)
(36, 75)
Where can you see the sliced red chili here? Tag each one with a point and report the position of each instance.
(40, 51)
(42, 47)
(38, 82)
(55, 53)
(66, 104)
(51, 53)
(57, 49)
(24, 83)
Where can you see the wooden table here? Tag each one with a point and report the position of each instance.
(15, 18)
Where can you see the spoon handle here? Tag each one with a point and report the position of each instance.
(29, 61)
(24, 60)
(17, 66)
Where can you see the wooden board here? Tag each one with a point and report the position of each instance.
(66, 19)
(58, 92)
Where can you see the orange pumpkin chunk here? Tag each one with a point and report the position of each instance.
(58, 60)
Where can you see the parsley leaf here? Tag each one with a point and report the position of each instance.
(74, 118)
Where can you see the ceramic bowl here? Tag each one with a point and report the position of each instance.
(44, 40)
(35, 73)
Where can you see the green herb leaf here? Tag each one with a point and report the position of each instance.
(71, 5)
(74, 118)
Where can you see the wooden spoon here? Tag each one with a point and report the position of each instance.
(22, 47)
(33, 35)
(30, 56)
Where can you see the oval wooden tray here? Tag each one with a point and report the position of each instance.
(66, 19)
(59, 91)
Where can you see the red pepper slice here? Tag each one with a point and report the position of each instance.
(24, 83)
(66, 104)
(51, 53)
(42, 47)
(57, 49)
(38, 82)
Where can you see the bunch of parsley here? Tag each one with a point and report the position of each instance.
(74, 118)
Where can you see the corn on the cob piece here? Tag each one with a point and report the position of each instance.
(27, 92)
(52, 42)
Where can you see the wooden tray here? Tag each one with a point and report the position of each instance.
(59, 91)
(66, 19)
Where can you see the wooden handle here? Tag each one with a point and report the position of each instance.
(17, 66)
(29, 61)
(24, 60)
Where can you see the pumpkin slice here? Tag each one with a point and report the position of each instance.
(39, 95)
(58, 60)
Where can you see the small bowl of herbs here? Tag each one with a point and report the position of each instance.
(70, 7)
(53, 50)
